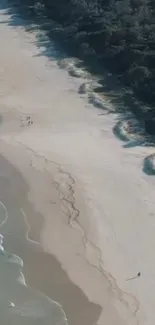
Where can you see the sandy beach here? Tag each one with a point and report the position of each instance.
(81, 211)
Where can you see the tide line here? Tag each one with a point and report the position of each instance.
(28, 229)
(6, 214)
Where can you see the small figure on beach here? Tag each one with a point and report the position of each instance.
(134, 277)
(27, 121)
(30, 122)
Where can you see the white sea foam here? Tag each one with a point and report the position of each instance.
(1, 248)
(1, 239)
(29, 305)
(18, 302)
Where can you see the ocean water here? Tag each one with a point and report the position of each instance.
(19, 303)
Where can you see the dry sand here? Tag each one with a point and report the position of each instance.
(96, 203)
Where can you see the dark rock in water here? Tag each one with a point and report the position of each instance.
(150, 126)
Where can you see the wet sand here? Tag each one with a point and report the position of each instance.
(41, 270)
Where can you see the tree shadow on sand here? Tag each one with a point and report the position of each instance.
(34, 20)
(52, 41)
(149, 165)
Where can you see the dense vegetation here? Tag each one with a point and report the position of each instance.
(120, 32)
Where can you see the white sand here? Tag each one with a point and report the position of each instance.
(114, 197)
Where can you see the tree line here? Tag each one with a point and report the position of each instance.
(121, 33)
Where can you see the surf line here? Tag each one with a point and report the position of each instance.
(6, 214)
(28, 229)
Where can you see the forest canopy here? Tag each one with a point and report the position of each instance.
(120, 32)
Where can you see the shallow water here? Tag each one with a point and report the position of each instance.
(21, 226)
(20, 304)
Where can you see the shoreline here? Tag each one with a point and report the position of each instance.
(71, 144)
(92, 282)
(42, 270)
